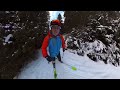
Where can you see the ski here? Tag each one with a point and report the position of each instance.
(72, 67)
(55, 73)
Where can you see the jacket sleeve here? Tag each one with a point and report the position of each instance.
(63, 42)
(44, 46)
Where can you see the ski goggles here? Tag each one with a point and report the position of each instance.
(55, 27)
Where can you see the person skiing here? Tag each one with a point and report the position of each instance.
(54, 41)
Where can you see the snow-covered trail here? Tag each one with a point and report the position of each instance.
(86, 69)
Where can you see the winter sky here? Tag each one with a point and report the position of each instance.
(54, 14)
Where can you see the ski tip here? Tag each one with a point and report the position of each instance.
(73, 68)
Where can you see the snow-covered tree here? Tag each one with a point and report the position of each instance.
(62, 24)
(96, 32)
(22, 33)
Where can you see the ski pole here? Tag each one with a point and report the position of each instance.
(72, 67)
(63, 55)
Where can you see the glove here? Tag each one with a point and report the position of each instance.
(48, 58)
(64, 49)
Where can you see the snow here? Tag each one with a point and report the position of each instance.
(75, 42)
(7, 11)
(10, 42)
(90, 47)
(99, 18)
(7, 26)
(7, 38)
(4, 43)
(110, 27)
(99, 45)
(115, 21)
(109, 36)
(86, 68)
(101, 26)
(25, 42)
(16, 51)
(35, 27)
(33, 38)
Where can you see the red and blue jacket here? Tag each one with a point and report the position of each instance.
(53, 43)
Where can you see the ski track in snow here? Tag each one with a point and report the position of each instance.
(86, 68)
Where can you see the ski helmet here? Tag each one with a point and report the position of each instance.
(55, 22)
